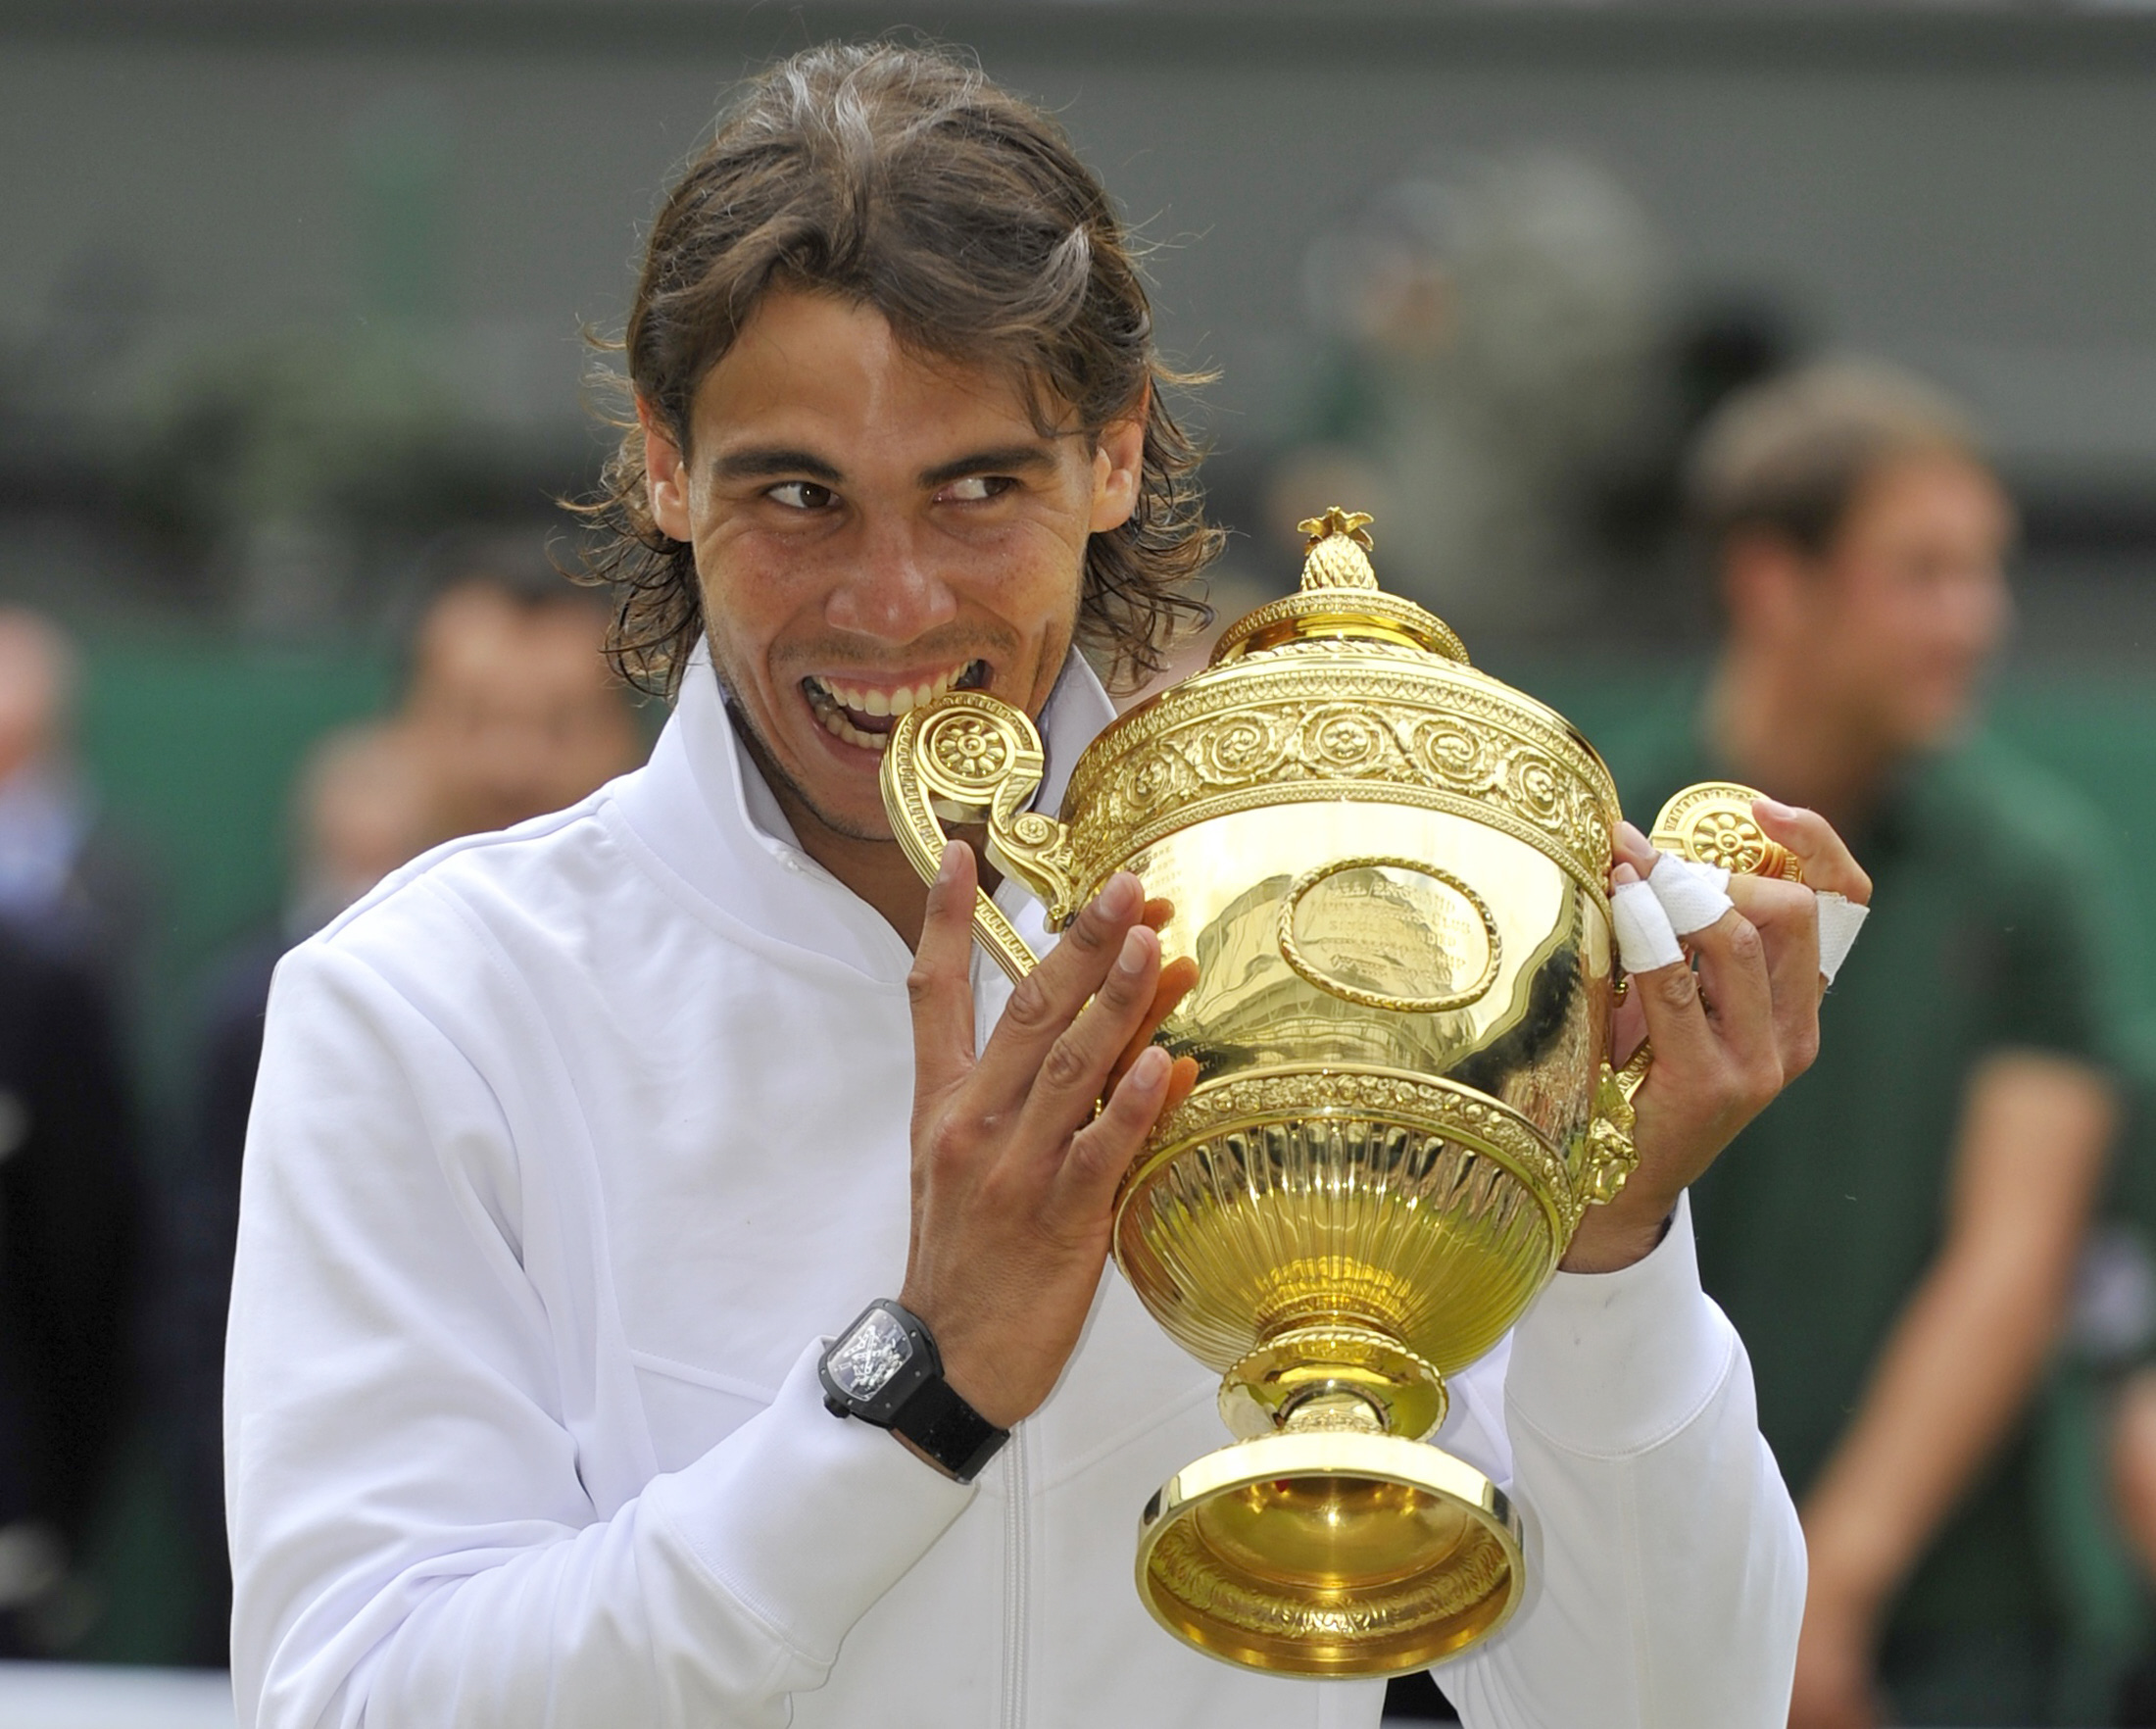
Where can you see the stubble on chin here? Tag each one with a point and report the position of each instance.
(797, 800)
(793, 796)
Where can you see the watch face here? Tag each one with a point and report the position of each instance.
(863, 1362)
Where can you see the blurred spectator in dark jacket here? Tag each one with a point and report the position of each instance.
(364, 808)
(510, 713)
(69, 1218)
(1897, 1239)
(69, 1226)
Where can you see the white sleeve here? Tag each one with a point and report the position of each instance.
(1670, 1566)
(412, 1541)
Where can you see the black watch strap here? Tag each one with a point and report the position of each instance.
(948, 1430)
(886, 1370)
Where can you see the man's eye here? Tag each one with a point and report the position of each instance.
(977, 488)
(803, 495)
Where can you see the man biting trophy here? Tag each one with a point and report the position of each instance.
(672, 1278)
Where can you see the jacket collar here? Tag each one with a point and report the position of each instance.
(701, 807)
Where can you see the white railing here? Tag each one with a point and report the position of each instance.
(76, 1696)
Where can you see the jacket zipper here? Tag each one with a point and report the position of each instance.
(1014, 1587)
(1016, 1529)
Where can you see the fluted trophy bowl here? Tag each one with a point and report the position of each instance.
(1390, 869)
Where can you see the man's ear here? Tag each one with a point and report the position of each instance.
(1118, 467)
(665, 474)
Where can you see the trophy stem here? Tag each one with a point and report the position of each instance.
(1332, 1377)
(1332, 1412)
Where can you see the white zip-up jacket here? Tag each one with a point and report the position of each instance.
(572, 1147)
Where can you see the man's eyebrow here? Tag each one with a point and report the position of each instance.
(762, 462)
(1022, 459)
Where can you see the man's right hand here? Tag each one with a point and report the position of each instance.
(1014, 1176)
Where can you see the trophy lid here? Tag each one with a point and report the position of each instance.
(1340, 600)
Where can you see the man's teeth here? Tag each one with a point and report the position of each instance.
(835, 703)
(836, 723)
(879, 703)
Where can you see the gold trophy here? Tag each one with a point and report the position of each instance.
(1391, 871)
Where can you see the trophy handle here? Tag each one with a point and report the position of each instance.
(967, 759)
(1710, 824)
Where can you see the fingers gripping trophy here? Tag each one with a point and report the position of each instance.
(1391, 871)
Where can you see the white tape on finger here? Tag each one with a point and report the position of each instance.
(1693, 895)
(1644, 938)
(1840, 919)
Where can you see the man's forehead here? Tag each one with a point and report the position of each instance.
(811, 369)
(1911, 490)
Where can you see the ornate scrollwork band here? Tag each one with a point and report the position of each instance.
(1323, 721)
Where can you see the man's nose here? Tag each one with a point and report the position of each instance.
(892, 592)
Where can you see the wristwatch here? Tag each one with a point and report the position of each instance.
(885, 1369)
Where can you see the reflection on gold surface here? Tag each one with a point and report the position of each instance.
(1390, 934)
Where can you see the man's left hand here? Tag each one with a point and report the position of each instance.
(1732, 1024)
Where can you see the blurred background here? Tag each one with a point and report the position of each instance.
(293, 365)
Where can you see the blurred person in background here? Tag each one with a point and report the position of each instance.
(44, 812)
(61, 871)
(512, 706)
(1897, 1243)
(366, 804)
(69, 1203)
(364, 807)
(509, 712)
(68, 1232)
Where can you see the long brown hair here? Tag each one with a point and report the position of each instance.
(903, 178)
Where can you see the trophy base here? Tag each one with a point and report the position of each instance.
(1334, 1551)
